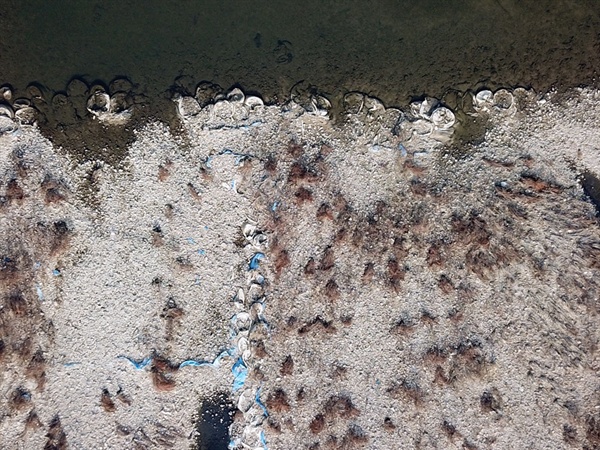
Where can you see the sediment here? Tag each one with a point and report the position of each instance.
(372, 277)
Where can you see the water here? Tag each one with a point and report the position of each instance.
(389, 49)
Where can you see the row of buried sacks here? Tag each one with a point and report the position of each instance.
(113, 103)
(81, 100)
(116, 102)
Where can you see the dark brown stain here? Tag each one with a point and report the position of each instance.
(368, 273)
(303, 194)
(270, 164)
(194, 192)
(498, 163)
(277, 401)
(407, 389)
(287, 366)
(418, 187)
(14, 192)
(57, 439)
(491, 400)
(294, 149)
(403, 325)
(328, 259)
(445, 284)
(388, 425)
(340, 406)
(395, 274)
(592, 429)
(435, 255)
(353, 438)
(331, 290)
(320, 323)
(339, 371)
(164, 171)
(536, 183)
(410, 165)
(346, 319)
(107, 402)
(259, 349)
(55, 190)
(162, 373)
(469, 359)
(301, 171)
(280, 256)
(53, 195)
(20, 398)
(317, 424)
(172, 315)
(310, 267)
(471, 229)
(324, 212)
(32, 421)
(428, 317)
(17, 304)
(36, 369)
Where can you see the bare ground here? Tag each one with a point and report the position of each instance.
(440, 296)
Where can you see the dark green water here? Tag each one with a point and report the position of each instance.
(390, 49)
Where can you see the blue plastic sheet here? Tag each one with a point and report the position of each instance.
(139, 365)
(254, 261)
(40, 294)
(227, 151)
(194, 363)
(240, 373)
(259, 403)
(403, 151)
(263, 439)
(256, 123)
(215, 363)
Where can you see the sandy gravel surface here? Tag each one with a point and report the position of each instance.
(359, 282)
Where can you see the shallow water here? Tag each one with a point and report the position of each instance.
(389, 49)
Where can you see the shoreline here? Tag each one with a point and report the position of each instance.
(85, 127)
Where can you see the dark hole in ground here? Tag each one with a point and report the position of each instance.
(591, 187)
(214, 420)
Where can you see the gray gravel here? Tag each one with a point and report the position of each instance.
(418, 294)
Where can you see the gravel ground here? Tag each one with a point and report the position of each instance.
(348, 283)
